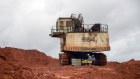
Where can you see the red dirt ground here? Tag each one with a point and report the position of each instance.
(32, 64)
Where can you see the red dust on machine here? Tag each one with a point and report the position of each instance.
(81, 43)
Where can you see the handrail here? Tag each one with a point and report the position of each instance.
(84, 28)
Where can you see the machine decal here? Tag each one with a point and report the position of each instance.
(88, 39)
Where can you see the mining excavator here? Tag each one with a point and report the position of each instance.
(81, 44)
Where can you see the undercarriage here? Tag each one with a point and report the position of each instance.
(67, 58)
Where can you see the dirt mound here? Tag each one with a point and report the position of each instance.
(18, 63)
(32, 64)
(31, 57)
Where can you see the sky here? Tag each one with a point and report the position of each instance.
(27, 24)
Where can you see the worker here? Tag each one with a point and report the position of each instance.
(93, 59)
(89, 57)
(89, 60)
